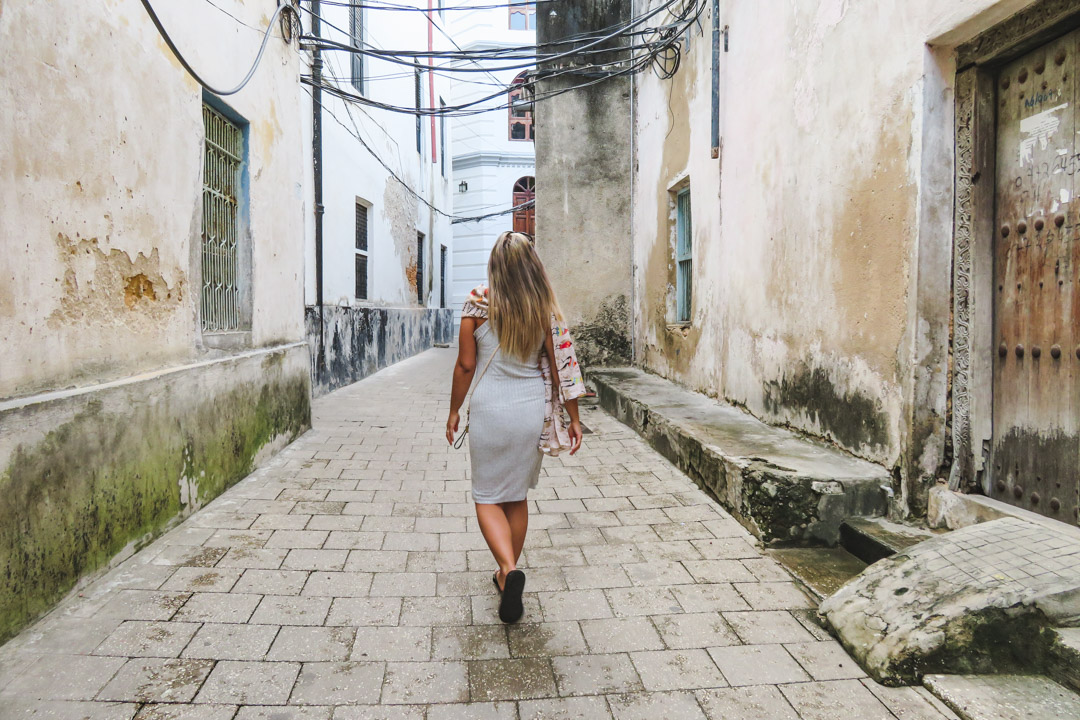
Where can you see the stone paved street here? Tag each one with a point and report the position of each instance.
(346, 578)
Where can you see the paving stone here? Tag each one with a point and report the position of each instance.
(436, 611)
(511, 679)
(470, 642)
(364, 611)
(157, 680)
(757, 665)
(717, 597)
(546, 639)
(338, 683)
(677, 669)
(253, 558)
(63, 677)
(143, 605)
(673, 551)
(291, 610)
(249, 683)
(378, 712)
(182, 555)
(773, 595)
(401, 584)
(194, 579)
(271, 582)
(218, 607)
(694, 630)
(67, 709)
(377, 561)
(231, 642)
(833, 699)
(473, 711)
(825, 660)
(770, 626)
(595, 674)
(615, 635)
(439, 562)
(293, 539)
(165, 711)
(656, 706)
(729, 548)
(595, 576)
(312, 644)
(910, 703)
(279, 712)
(568, 708)
(338, 584)
(392, 643)
(574, 605)
(315, 560)
(426, 682)
(138, 638)
(755, 701)
(664, 574)
(238, 538)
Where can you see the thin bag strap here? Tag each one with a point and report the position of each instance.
(468, 397)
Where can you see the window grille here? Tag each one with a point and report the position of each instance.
(683, 255)
(522, 15)
(361, 263)
(420, 268)
(442, 276)
(521, 120)
(442, 138)
(356, 34)
(419, 83)
(223, 157)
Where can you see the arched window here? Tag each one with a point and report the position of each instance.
(525, 218)
(521, 119)
(522, 15)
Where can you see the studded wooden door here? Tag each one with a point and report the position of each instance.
(1035, 454)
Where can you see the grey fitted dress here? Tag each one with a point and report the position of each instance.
(506, 417)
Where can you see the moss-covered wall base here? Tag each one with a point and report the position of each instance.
(86, 473)
(358, 341)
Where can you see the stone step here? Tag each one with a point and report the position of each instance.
(1064, 662)
(982, 599)
(821, 570)
(1004, 697)
(783, 487)
(873, 539)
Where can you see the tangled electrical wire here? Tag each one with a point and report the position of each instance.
(619, 50)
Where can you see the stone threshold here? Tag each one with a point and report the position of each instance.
(785, 488)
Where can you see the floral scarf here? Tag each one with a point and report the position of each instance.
(555, 436)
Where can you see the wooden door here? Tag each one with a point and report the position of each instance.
(1035, 453)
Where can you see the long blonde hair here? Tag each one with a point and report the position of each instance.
(521, 300)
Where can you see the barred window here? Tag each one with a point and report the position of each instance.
(223, 158)
(361, 260)
(521, 117)
(420, 267)
(356, 35)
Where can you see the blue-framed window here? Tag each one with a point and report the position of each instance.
(684, 255)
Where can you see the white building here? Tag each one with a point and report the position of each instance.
(493, 153)
(385, 250)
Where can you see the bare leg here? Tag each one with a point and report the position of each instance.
(517, 514)
(497, 533)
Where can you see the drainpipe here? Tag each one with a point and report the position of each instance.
(316, 162)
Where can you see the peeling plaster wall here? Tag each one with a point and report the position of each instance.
(101, 181)
(351, 174)
(583, 193)
(116, 415)
(822, 234)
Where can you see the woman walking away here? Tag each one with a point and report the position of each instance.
(513, 343)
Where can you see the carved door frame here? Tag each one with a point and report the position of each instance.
(977, 61)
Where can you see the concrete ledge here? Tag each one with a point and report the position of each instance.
(783, 487)
(955, 510)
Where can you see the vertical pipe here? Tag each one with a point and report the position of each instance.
(316, 162)
(716, 78)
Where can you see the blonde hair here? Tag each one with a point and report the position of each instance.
(521, 300)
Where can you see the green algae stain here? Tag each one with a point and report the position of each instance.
(102, 480)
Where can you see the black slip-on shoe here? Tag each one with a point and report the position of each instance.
(510, 607)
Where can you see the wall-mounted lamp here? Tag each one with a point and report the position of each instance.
(463, 187)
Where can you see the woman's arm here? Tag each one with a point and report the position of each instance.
(570, 405)
(463, 374)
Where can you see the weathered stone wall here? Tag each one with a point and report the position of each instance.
(362, 340)
(101, 162)
(89, 474)
(822, 232)
(583, 199)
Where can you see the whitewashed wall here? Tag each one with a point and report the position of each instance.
(484, 155)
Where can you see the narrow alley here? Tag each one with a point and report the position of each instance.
(346, 578)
